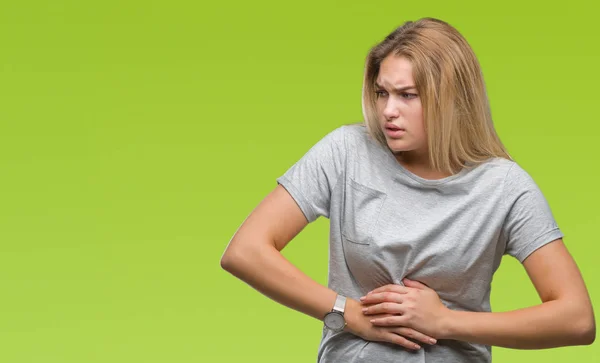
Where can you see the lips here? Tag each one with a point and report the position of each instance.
(394, 127)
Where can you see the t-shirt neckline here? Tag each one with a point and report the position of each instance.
(419, 179)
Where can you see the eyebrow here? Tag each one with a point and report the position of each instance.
(401, 89)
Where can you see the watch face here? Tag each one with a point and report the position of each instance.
(334, 321)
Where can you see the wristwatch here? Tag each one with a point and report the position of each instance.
(334, 320)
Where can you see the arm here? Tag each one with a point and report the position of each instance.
(565, 316)
(253, 255)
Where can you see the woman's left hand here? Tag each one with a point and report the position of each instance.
(414, 305)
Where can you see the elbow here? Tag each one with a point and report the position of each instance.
(587, 334)
(232, 257)
(230, 261)
(585, 331)
(238, 259)
(225, 262)
(242, 261)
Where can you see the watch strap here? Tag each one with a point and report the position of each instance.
(340, 304)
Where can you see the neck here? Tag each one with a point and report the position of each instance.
(419, 164)
(414, 159)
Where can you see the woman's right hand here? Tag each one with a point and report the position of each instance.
(359, 324)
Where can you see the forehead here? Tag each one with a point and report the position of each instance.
(395, 70)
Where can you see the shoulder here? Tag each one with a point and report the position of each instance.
(518, 180)
(358, 140)
(339, 144)
(519, 186)
(487, 174)
(356, 132)
(499, 175)
(348, 139)
(508, 171)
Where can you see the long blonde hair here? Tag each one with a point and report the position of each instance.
(456, 110)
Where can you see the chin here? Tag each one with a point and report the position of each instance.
(397, 146)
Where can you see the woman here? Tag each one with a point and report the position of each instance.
(423, 202)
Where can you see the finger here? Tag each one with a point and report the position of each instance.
(413, 334)
(415, 284)
(383, 288)
(390, 321)
(392, 288)
(384, 308)
(400, 340)
(379, 297)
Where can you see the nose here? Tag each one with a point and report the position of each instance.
(391, 111)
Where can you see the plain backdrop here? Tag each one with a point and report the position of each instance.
(136, 136)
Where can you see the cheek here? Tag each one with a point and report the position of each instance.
(416, 115)
(380, 106)
(417, 120)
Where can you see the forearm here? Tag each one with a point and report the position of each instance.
(551, 324)
(268, 271)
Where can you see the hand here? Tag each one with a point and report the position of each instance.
(359, 325)
(414, 306)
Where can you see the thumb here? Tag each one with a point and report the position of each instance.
(415, 284)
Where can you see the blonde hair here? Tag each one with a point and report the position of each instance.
(448, 78)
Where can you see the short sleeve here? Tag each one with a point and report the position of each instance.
(311, 180)
(529, 224)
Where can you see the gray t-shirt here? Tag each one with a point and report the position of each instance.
(387, 223)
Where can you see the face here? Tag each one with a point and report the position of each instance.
(399, 107)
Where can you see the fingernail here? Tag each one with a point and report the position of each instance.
(364, 310)
(433, 341)
(362, 298)
(417, 346)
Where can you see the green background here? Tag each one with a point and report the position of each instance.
(136, 136)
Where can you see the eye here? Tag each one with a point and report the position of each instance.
(408, 96)
(380, 93)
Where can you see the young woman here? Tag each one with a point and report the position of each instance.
(423, 201)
